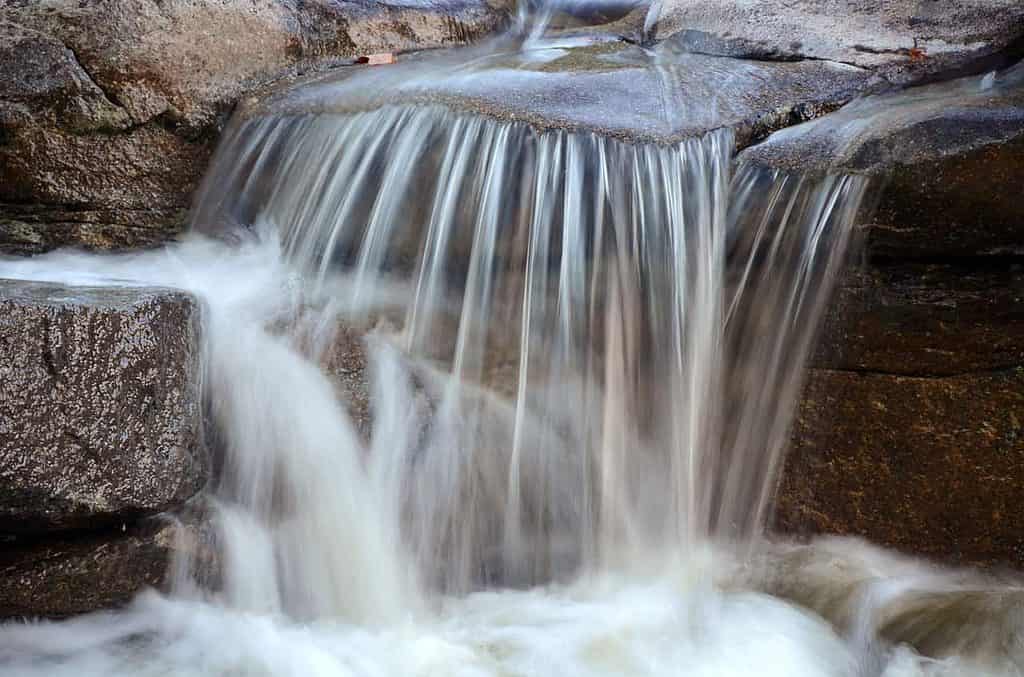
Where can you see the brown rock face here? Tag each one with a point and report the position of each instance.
(69, 575)
(109, 110)
(100, 405)
(931, 466)
(915, 319)
(910, 433)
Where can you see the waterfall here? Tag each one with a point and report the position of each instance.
(582, 355)
(614, 333)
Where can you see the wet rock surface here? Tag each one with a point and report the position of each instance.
(917, 319)
(100, 405)
(902, 41)
(109, 110)
(931, 466)
(71, 574)
(612, 88)
(949, 158)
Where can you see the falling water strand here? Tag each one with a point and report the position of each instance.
(541, 267)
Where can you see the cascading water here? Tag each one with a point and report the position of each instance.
(542, 266)
(584, 356)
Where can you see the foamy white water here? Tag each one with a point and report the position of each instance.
(696, 614)
(346, 606)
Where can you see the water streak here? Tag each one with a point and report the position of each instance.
(542, 266)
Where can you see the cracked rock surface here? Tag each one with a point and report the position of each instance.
(100, 405)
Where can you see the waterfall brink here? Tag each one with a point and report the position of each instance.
(601, 342)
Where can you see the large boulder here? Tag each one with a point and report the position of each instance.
(910, 432)
(108, 110)
(100, 405)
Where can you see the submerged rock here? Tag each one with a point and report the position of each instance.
(108, 111)
(100, 404)
(872, 594)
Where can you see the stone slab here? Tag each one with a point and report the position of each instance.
(100, 404)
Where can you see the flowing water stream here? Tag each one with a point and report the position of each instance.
(583, 357)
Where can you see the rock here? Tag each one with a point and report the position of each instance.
(100, 404)
(68, 575)
(901, 40)
(108, 111)
(926, 319)
(605, 86)
(941, 613)
(950, 156)
(929, 466)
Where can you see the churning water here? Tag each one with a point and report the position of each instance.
(583, 357)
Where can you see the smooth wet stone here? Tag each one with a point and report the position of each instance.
(608, 87)
(109, 111)
(926, 319)
(901, 40)
(931, 466)
(949, 158)
(100, 404)
(66, 575)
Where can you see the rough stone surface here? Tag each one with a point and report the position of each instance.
(950, 157)
(69, 575)
(100, 404)
(108, 110)
(926, 319)
(901, 40)
(930, 466)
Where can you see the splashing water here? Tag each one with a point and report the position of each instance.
(584, 358)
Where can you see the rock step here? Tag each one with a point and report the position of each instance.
(100, 405)
(949, 158)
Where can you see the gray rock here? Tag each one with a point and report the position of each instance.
(605, 86)
(111, 108)
(951, 156)
(74, 574)
(100, 404)
(901, 40)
